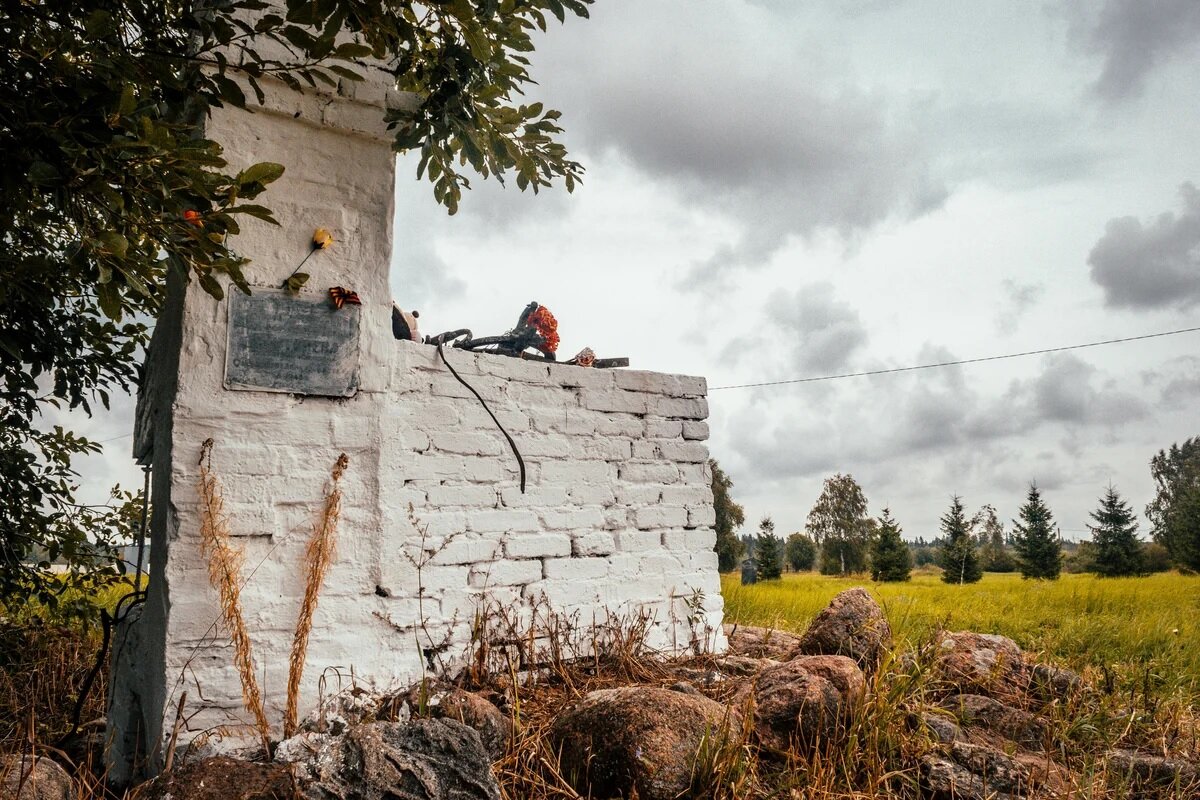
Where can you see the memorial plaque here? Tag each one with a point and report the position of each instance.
(280, 342)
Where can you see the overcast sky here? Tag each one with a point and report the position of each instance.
(780, 190)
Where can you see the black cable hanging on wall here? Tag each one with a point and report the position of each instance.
(482, 402)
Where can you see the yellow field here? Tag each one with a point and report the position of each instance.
(1142, 629)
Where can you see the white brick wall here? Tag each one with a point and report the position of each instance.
(616, 517)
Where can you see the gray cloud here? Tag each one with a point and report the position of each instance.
(822, 331)
(1018, 298)
(419, 276)
(1133, 37)
(1155, 265)
(1181, 387)
(870, 429)
(778, 137)
(1067, 392)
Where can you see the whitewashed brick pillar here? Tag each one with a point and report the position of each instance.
(273, 451)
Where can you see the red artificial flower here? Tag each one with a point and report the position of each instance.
(193, 217)
(546, 325)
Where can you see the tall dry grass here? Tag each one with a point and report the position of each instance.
(225, 575)
(317, 558)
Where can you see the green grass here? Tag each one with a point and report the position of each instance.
(1146, 629)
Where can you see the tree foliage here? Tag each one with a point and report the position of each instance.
(768, 551)
(838, 522)
(730, 517)
(109, 183)
(1039, 554)
(993, 551)
(1117, 548)
(801, 552)
(891, 560)
(1174, 513)
(959, 560)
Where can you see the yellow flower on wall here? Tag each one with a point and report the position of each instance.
(322, 239)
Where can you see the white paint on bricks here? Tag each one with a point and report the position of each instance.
(597, 530)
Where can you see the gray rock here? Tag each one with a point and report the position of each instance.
(999, 771)
(637, 740)
(977, 711)
(852, 625)
(29, 778)
(436, 701)
(757, 643)
(1144, 771)
(982, 663)
(1049, 682)
(974, 772)
(841, 671)
(744, 665)
(220, 778)
(426, 759)
(945, 779)
(793, 707)
(942, 727)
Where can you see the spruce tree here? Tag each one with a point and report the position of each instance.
(891, 560)
(1039, 553)
(959, 561)
(768, 551)
(1118, 551)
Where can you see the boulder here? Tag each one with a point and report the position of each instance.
(940, 726)
(1048, 682)
(841, 671)
(757, 643)
(974, 772)
(981, 663)
(25, 777)
(435, 701)
(221, 778)
(683, 687)
(743, 665)
(851, 625)
(1149, 771)
(425, 759)
(977, 711)
(637, 740)
(944, 778)
(793, 707)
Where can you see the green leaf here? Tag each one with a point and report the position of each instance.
(114, 243)
(209, 284)
(262, 172)
(43, 174)
(109, 298)
(128, 101)
(261, 212)
(296, 282)
(348, 74)
(352, 50)
(481, 48)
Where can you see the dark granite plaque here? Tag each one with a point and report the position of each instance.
(280, 342)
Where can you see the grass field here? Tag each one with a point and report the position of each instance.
(1145, 629)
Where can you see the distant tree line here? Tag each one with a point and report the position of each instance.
(841, 538)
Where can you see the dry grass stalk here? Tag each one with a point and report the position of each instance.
(224, 573)
(317, 558)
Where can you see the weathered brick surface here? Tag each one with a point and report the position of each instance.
(616, 517)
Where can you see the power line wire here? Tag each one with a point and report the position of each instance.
(958, 362)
